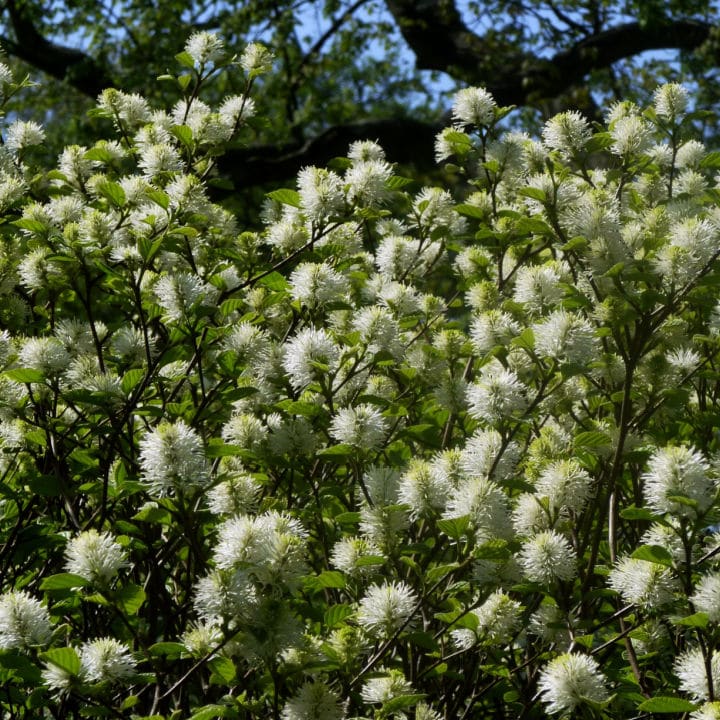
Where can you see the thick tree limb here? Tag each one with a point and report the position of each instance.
(62, 62)
(405, 141)
(441, 41)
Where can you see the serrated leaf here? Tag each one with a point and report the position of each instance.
(335, 614)
(326, 579)
(285, 196)
(666, 704)
(653, 553)
(591, 439)
(65, 658)
(455, 527)
(112, 192)
(397, 182)
(64, 581)
(534, 193)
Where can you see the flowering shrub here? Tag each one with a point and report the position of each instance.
(397, 454)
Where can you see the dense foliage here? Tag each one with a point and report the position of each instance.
(397, 454)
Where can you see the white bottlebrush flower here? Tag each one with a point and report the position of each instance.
(485, 504)
(256, 59)
(690, 669)
(671, 101)
(498, 618)
(570, 680)
(566, 337)
(630, 134)
(486, 455)
(94, 556)
(678, 472)
(204, 47)
(643, 583)
(224, 596)
(386, 687)
(317, 284)
(538, 287)
(497, 395)
(567, 132)
(474, 106)
(379, 331)
(492, 328)
(348, 553)
(159, 158)
(315, 701)
(706, 597)
(692, 245)
(383, 525)
(364, 151)
(530, 514)
(106, 660)
(367, 182)
(546, 557)
(708, 711)
(384, 609)
(24, 621)
(422, 489)
(22, 134)
(566, 485)
(362, 426)
(690, 154)
(46, 354)
(309, 347)
(321, 193)
(172, 458)
(180, 293)
(234, 496)
(59, 679)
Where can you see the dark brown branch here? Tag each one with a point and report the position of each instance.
(441, 41)
(62, 62)
(405, 141)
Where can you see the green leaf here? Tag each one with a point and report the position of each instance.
(65, 658)
(636, 513)
(185, 59)
(184, 134)
(534, 193)
(210, 712)
(653, 553)
(591, 439)
(223, 671)
(24, 375)
(439, 572)
(131, 597)
(401, 702)
(167, 649)
(64, 581)
(335, 614)
(131, 379)
(472, 211)
(454, 528)
(112, 192)
(326, 579)
(285, 196)
(336, 453)
(666, 704)
(397, 182)
(698, 619)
